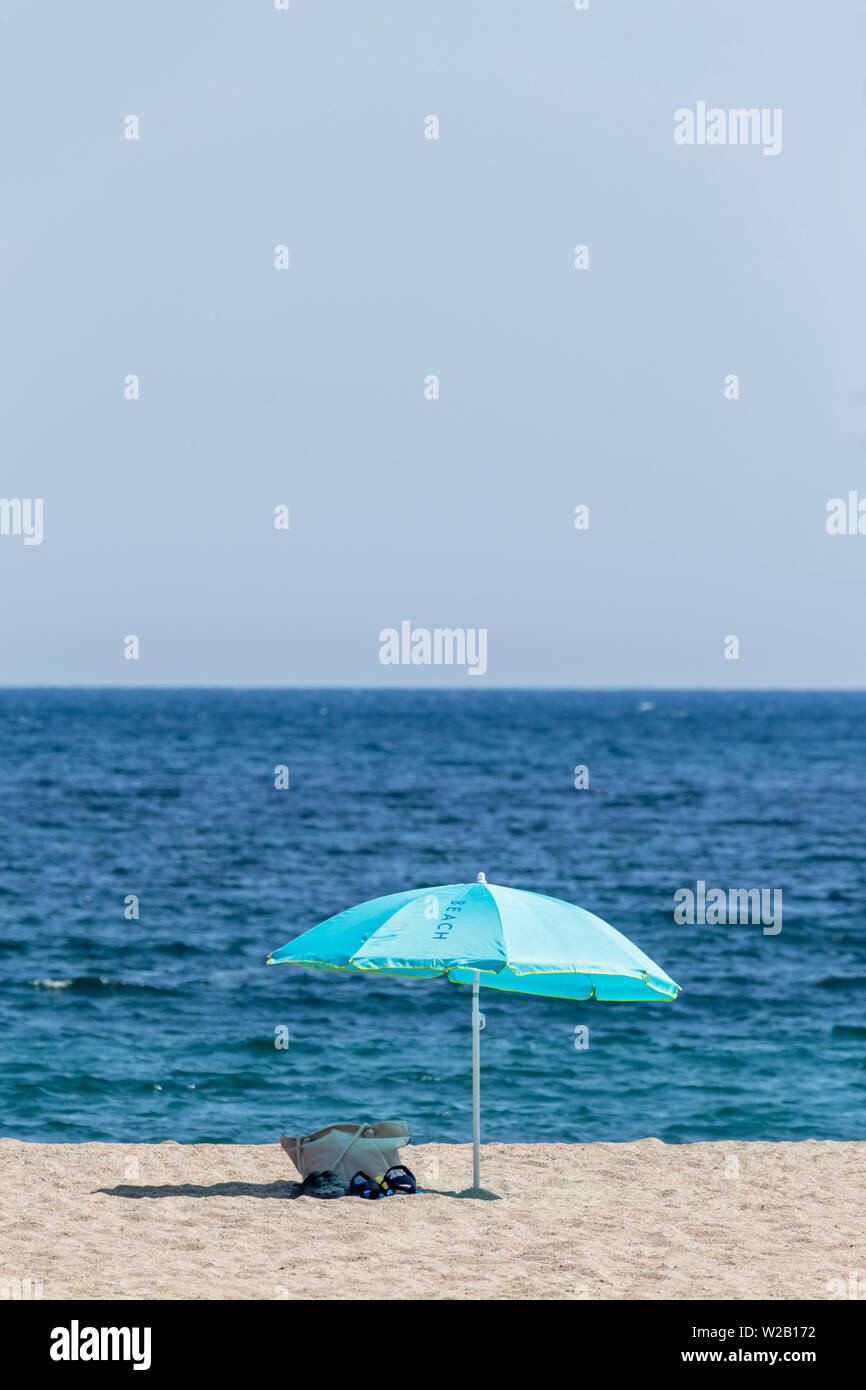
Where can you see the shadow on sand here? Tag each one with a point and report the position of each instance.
(480, 1194)
(283, 1190)
(216, 1189)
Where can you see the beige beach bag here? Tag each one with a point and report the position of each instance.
(348, 1149)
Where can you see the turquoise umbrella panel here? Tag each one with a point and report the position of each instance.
(334, 941)
(443, 927)
(546, 935)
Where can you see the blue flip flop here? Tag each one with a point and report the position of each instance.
(402, 1181)
(364, 1186)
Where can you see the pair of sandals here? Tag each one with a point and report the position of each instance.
(397, 1179)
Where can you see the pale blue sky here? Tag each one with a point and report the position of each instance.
(409, 257)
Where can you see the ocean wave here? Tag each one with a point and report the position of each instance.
(97, 984)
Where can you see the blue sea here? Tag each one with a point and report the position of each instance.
(164, 1027)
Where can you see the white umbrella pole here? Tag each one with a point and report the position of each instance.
(477, 1025)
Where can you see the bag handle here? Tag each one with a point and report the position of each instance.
(342, 1154)
(301, 1138)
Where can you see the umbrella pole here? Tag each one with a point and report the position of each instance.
(477, 1025)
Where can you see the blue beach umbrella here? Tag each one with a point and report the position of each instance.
(483, 934)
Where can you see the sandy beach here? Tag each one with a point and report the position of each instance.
(642, 1220)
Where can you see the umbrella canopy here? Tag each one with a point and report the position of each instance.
(515, 940)
(484, 934)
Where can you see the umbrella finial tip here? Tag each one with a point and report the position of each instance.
(481, 878)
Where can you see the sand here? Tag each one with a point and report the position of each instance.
(643, 1220)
